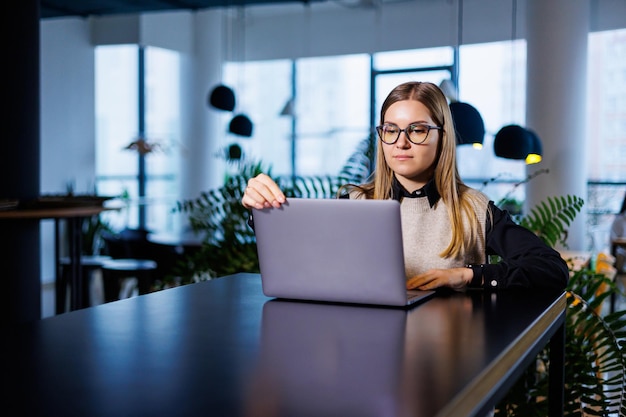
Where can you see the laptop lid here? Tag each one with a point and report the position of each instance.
(335, 250)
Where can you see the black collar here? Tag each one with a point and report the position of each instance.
(398, 192)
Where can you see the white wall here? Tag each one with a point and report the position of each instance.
(67, 106)
(67, 118)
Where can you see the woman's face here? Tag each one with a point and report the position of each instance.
(412, 164)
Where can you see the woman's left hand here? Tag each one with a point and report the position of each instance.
(455, 278)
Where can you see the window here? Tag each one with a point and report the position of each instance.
(329, 116)
(261, 91)
(607, 105)
(492, 78)
(393, 68)
(606, 132)
(332, 109)
(119, 123)
(332, 112)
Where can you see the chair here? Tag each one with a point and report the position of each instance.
(129, 252)
(88, 264)
(129, 243)
(115, 271)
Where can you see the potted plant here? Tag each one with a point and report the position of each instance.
(595, 347)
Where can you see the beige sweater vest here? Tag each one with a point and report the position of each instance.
(427, 232)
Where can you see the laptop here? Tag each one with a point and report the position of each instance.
(334, 250)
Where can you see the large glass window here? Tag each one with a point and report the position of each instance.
(396, 67)
(163, 130)
(492, 78)
(607, 105)
(118, 126)
(606, 132)
(261, 91)
(332, 111)
(496, 90)
(310, 114)
(320, 129)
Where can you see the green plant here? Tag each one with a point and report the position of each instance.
(549, 219)
(595, 360)
(230, 244)
(595, 353)
(92, 229)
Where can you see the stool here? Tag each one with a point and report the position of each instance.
(115, 270)
(88, 265)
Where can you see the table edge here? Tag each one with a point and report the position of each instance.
(483, 386)
(54, 213)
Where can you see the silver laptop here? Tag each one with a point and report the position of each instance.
(334, 250)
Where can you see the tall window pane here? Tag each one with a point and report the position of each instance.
(492, 78)
(426, 65)
(414, 58)
(387, 82)
(332, 111)
(117, 125)
(607, 105)
(261, 91)
(163, 131)
(606, 132)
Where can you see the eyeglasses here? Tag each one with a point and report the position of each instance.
(416, 132)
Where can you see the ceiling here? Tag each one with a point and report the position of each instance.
(84, 8)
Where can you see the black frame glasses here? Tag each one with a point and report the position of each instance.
(415, 129)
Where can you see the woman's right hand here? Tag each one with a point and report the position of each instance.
(262, 192)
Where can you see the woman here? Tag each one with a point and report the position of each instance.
(448, 228)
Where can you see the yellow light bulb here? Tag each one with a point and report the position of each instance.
(533, 158)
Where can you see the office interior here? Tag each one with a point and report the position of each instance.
(55, 115)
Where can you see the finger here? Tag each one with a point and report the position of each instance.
(254, 199)
(426, 281)
(415, 282)
(249, 202)
(271, 187)
(262, 189)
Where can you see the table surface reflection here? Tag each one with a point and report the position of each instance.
(222, 348)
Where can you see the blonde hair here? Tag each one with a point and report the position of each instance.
(460, 204)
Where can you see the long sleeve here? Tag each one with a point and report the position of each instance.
(526, 261)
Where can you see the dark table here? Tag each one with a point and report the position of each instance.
(74, 216)
(181, 242)
(221, 348)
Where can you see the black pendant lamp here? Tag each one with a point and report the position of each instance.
(241, 125)
(516, 142)
(234, 152)
(222, 98)
(468, 123)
